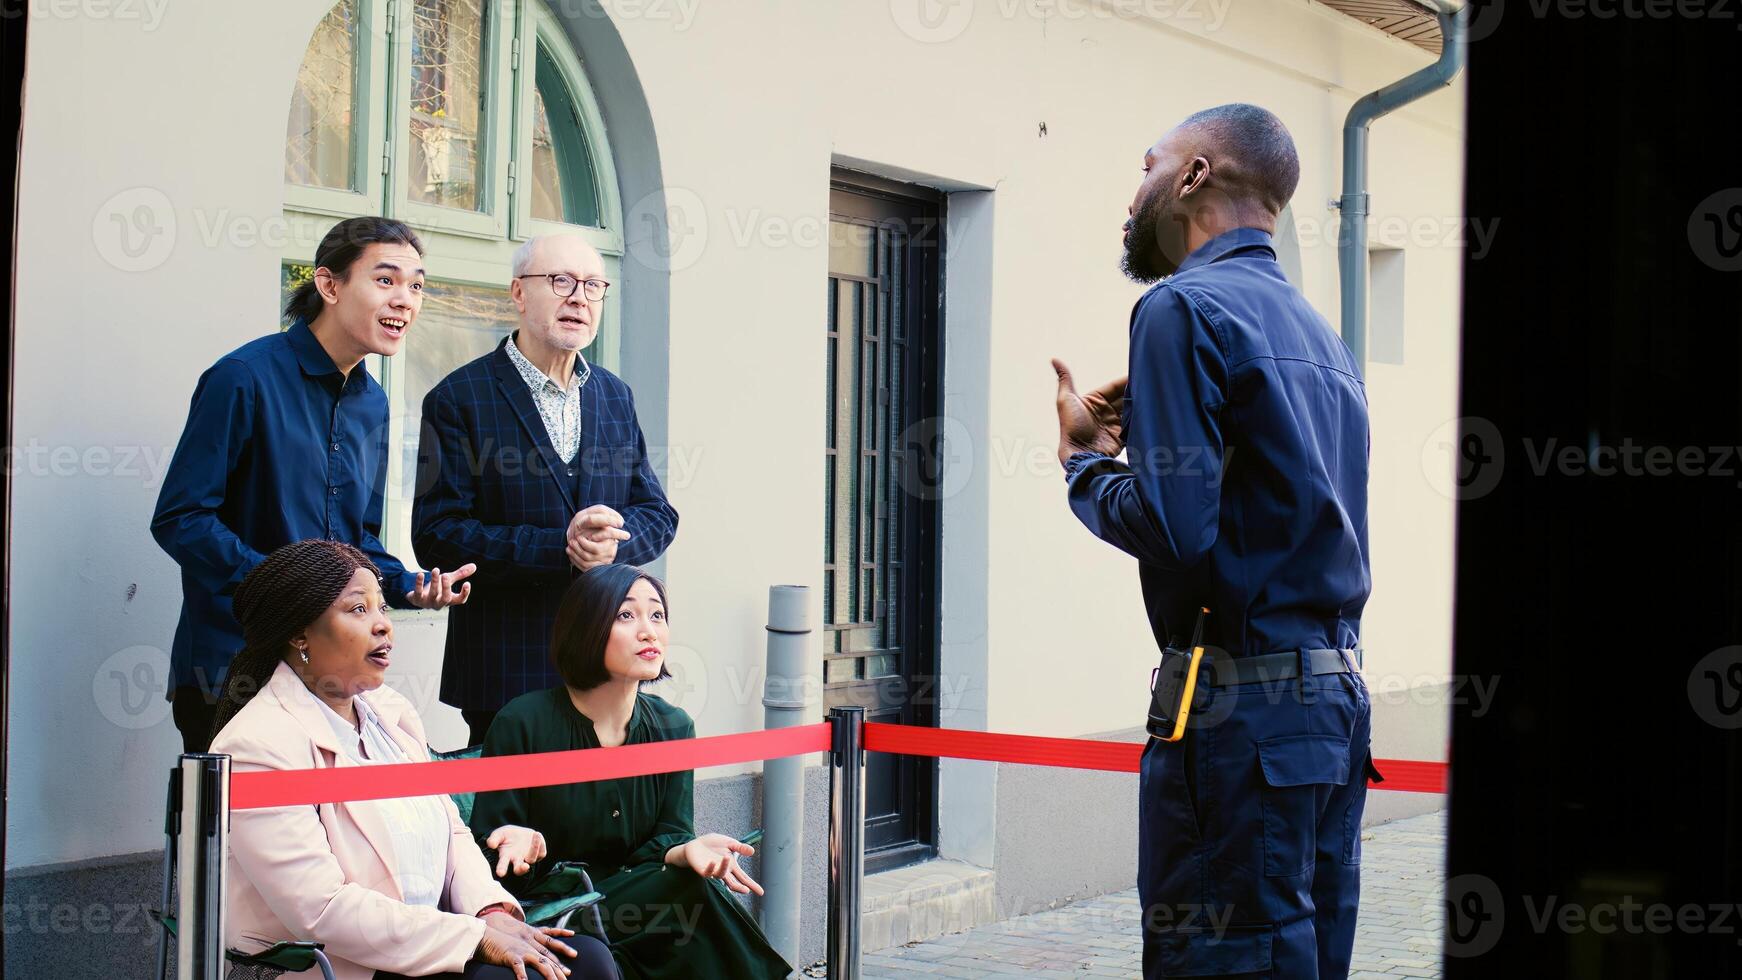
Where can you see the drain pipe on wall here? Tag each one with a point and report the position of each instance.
(1352, 239)
(786, 702)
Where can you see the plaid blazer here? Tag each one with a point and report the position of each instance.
(492, 490)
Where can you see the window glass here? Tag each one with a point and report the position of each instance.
(320, 136)
(447, 103)
(562, 167)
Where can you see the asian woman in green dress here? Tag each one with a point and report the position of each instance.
(668, 909)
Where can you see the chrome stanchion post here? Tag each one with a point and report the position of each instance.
(171, 836)
(205, 822)
(846, 839)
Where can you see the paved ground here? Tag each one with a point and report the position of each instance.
(1398, 936)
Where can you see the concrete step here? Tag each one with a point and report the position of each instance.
(924, 901)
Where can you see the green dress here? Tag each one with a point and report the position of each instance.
(663, 921)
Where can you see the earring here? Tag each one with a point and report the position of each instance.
(303, 652)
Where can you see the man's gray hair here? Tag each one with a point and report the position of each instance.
(523, 255)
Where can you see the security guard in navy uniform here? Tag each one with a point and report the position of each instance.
(1243, 491)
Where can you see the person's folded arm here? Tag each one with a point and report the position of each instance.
(444, 531)
(283, 852)
(186, 524)
(1163, 504)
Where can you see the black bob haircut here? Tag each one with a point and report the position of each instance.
(584, 620)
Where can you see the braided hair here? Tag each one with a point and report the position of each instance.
(277, 599)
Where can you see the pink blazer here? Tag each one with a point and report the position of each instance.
(328, 876)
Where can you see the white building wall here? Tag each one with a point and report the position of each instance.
(182, 114)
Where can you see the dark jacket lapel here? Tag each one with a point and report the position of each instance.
(514, 389)
(591, 419)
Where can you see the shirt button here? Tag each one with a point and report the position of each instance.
(335, 490)
(615, 812)
(335, 447)
(571, 471)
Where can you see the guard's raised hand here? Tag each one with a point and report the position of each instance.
(1092, 422)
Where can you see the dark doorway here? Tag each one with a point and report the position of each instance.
(880, 555)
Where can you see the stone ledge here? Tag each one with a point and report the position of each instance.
(924, 901)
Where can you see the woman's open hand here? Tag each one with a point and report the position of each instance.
(518, 848)
(512, 943)
(716, 856)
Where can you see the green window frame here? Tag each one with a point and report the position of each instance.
(470, 252)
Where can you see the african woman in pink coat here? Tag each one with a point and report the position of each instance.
(392, 888)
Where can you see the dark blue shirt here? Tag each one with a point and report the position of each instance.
(279, 446)
(1245, 482)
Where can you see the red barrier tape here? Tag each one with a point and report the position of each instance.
(301, 787)
(1032, 750)
(1411, 777)
(288, 787)
(1080, 753)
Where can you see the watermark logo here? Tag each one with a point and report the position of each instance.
(1715, 230)
(932, 21)
(129, 687)
(937, 458)
(687, 687)
(677, 242)
(1464, 458)
(1475, 915)
(1715, 688)
(1479, 19)
(134, 230)
(148, 14)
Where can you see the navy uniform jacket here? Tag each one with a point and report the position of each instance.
(278, 447)
(492, 490)
(1246, 439)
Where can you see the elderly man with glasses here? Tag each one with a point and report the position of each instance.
(532, 464)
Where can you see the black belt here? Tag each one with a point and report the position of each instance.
(1221, 670)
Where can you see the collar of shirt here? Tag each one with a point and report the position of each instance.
(537, 379)
(1227, 241)
(314, 359)
(377, 742)
(637, 714)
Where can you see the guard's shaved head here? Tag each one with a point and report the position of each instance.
(1249, 149)
(1233, 166)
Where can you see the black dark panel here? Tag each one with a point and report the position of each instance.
(1600, 542)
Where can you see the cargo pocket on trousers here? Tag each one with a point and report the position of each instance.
(1222, 952)
(1294, 767)
(1352, 815)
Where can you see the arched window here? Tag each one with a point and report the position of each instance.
(472, 121)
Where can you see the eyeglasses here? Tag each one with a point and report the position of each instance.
(564, 285)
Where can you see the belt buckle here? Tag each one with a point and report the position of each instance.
(1154, 675)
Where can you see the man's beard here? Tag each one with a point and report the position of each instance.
(1153, 242)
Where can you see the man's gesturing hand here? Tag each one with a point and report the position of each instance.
(1089, 423)
(438, 591)
(593, 537)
